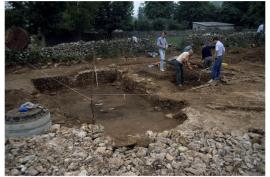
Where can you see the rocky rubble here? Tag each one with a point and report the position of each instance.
(87, 151)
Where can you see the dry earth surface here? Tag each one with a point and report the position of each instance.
(222, 135)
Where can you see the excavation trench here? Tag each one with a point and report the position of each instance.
(122, 104)
(191, 78)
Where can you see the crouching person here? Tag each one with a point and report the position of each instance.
(178, 63)
(207, 55)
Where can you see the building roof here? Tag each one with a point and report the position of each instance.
(210, 24)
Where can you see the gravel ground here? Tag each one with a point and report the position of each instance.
(87, 151)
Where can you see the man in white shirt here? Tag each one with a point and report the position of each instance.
(259, 32)
(182, 59)
(135, 39)
(219, 53)
(260, 28)
(162, 45)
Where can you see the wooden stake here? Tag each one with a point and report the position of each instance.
(91, 102)
(93, 121)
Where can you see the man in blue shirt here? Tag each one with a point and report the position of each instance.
(207, 55)
(219, 53)
(162, 45)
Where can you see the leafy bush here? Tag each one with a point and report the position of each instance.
(184, 25)
(23, 57)
(181, 44)
(159, 24)
(143, 25)
(173, 25)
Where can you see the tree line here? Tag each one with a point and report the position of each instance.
(78, 17)
(173, 16)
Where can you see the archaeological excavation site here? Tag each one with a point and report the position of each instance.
(123, 118)
(106, 107)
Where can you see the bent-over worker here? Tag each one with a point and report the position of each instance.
(207, 55)
(182, 59)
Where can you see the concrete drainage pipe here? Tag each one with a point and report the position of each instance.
(25, 124)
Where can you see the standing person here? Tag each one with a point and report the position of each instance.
(219, 53)
(182, 59)
(207, 55)
(259, 32)
(163, 45)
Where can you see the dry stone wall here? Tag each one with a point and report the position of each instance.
(123, 47)
(229, 39)
(81, 50)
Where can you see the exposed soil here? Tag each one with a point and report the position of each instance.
(119, 114)
(237, 104)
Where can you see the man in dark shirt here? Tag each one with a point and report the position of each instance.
(207, 55)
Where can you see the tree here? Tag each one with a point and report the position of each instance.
(255, 14)
(43, 15)
(114, 15)
(35, 15)
(159, 24)
(141, 12)
(232, 12)
(57, 17)
(247, 14)
(78, 16)
(188, 12)
(142, 22)
(159, 9)
(14, 14)
(143, 25)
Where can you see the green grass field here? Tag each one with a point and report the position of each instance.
(177, 41)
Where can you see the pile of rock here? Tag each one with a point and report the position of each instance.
(86, 151)
(81, 50)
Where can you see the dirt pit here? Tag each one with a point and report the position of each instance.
(191, 78)
(120, 114)
(121, 110)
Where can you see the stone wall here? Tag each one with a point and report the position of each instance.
(125, 46)
(96, 36)
(147, 34)
(81, 50)
(229, 39)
